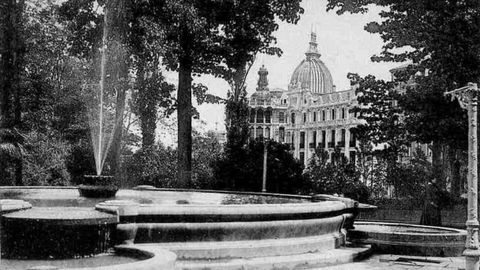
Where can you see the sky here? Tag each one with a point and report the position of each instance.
(343, 43)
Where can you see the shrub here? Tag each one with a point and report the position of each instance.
(45, 160)
(242, 169)
(334, 176)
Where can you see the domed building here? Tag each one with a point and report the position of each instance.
(310, 114)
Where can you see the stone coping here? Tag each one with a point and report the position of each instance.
(152, 188)
(63, 216)
(224, 212)
(9, 205)
(434, 230)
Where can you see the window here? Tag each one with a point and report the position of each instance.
(324, 115)
(267, 132)
(342, 138)
(282, 134)
(302, 140)
(331, 144)
(333, 114)
(268, 114)
(343, 113)
(293, 118)
(259, 132)
(281, 117)
(353, 139)
(302, 157)
(252, 116)
(259, 116)
(304, 117)
(252, 133)
(314, 140)
(324, 138)
(314, 116)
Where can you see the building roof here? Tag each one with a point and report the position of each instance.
(312, 73)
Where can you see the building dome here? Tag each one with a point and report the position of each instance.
(312, 73)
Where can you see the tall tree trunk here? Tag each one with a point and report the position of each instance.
(237, 124)
(437, 163)
(184, 109)
(11, 60)
(239, 81)
(147, 105)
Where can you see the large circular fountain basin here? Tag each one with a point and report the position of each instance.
(69, 196)
(409, 239)
(207, 228)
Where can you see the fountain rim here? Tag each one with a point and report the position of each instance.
(443, 231)
(307, 206)
(268, 194)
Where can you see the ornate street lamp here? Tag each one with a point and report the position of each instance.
(467, 97)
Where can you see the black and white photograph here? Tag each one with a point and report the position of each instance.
(239, 134)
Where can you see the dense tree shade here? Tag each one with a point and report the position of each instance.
(441, 40)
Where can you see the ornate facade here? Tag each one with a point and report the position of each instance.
(310, 114)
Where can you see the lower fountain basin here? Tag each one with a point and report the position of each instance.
(409, 239)
(124, 258)
(60, 232)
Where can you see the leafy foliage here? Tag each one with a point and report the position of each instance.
(337, 176)
(377, 106)
(45, 160)
(157, 165)
(244, 172)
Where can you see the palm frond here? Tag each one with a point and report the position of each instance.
(11, 151)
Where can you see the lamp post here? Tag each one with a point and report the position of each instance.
(467, 97)
(264, 176)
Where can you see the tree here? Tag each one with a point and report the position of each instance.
(441, 39)
(249, 30)
(150, 91)
(337, 176)
(284, 172)
(94, 33)
(157, 166)
(12, 49)
(383, 125)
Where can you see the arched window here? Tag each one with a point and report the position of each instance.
(267, 132)
(293, 118)
(260, 116)
(259, 132)
(281, 117)
(268, 114)
(281, 134)
(252, 115)
(252, 133)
